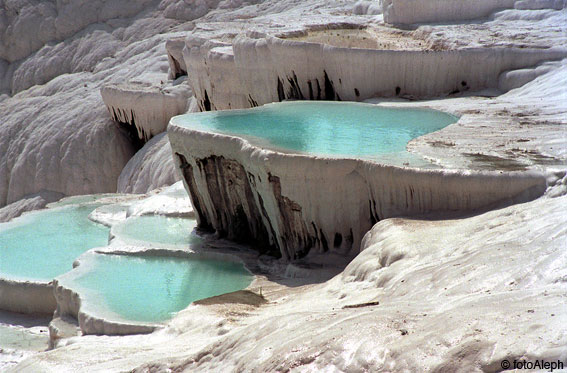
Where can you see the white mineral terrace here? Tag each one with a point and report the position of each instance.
(298, 202)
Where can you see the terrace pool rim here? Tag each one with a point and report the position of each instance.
(379, 159)
(100, 320)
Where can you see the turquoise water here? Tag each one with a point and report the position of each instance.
(152, 289)
(325, 128)
(157, 229)
(43, 245)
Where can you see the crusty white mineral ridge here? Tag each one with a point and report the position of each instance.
(58, 137)
(170, 201)
(146, 109)
(55, 134)
(262, 68)
(411, 11)
(56, 145)
(31, 202)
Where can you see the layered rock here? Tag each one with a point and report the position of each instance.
(411, 11)
(56, 134)
(177, 66)
(26, 297)
(259, 69)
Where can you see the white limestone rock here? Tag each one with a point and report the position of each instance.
(150, 168)
(89, 47)
(259, 69)
(516, 78)
(524, 127)
(169, 201)
(411, 11)
(367, 7)
(492, 285)
(27, 25)
(417, 285)
(189, 10)
(177, 66)
(49, 147)
(58, 136)
(466, 293)
(263, 196)
(540, 4)
(28, 203)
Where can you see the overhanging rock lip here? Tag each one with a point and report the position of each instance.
(26, 296)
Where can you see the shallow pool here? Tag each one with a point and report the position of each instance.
(44, 244)
(152, 289)
(325, 128)
(157, 229)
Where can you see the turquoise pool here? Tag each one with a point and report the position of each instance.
(152, 289)
(324, 128)
(156, 229)
(44, 244)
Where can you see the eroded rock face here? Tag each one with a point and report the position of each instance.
(232, 210)
(296, 204)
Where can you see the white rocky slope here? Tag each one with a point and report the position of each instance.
(458, 295)
(151, 167)
(439, 295)
(58, 136)
(55, 134)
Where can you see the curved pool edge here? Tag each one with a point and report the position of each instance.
(262, 143)
(292, 203)
(91, 321)
(26, 296)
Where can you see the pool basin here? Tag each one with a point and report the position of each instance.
(332, 129)
(42, 245)
(111, 293)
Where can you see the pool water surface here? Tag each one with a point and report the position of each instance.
(152, 288)
(323, 128)
(44, 244)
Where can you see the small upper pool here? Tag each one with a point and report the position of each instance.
(42, 245)
(150, 288)
(323, 128)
